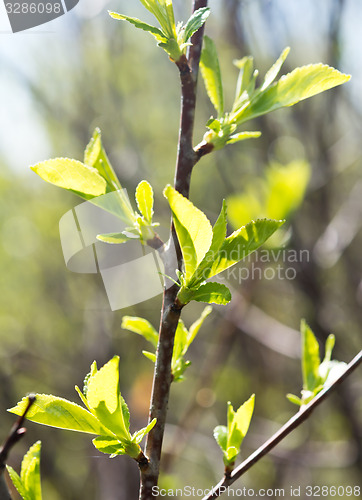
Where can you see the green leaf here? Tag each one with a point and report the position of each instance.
(180, 343)
(105, 401)
(18, 483)
(139, 435)
(274, 70)
(294, 87)
(114, 238)
(294, 399)
(241, 243)
(242, 136)
(218, 238)
(195, 22)
(310, 359)
(58, 412)
(211, 293)
(246, 67)
(241, 422)
(141, 327)
(30, 472)
(73, 176)
(144, 199)
(109, 445)
(150, 355)
(193, 229)
(96, 157)
(157, 33)
(210, 70)
(221, 436)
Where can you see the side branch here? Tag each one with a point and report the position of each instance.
(292, 424)
(16, 433)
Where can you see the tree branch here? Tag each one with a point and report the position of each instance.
(16, 433)
(171, 310)
(290, 426)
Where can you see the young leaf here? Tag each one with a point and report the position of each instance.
(221, 436)
(241, 243)
(274, 70)
(144, 199)
(157, 33)
(142, 327)
(139, 435)
(150, 355)
(294, 87)
(114, 238)
(109, 445)
(193, 229)
(73, 176)
(195, 22)
(231, 437)
(58, 412)
(211, 293)
(28, 483)
(310, 359)
(239, 424)
(14, 476)
(210, 70)
(242, 136)
(105, 401)
(96, 157)
(218, 238)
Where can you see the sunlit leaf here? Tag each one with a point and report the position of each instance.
(210, 70)
(72, 175)
(193, 229)
(211, 293)
(144, 198)
(28, 483)
(294, 87)
(103, 397)
(310, 358)
(195, 22)
(274, 70)
(58, 412)
(241, 243)
(142, 327)
(157, 33)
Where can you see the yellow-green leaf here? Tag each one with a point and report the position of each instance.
(193, 229)
(144, 199)
(300, 84)
(211, 74)
(72, 175)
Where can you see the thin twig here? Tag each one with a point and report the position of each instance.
(290, 426)
(15, 434)
(171, 310)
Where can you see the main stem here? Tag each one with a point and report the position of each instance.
(171, 310)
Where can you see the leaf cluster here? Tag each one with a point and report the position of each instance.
(182, 342)
(251, 101)
(207, 251)
(230, 437)
(317, 374)
(28, 482)
(172, 38)
(105, 414)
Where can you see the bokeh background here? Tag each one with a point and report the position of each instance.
(57, 83)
